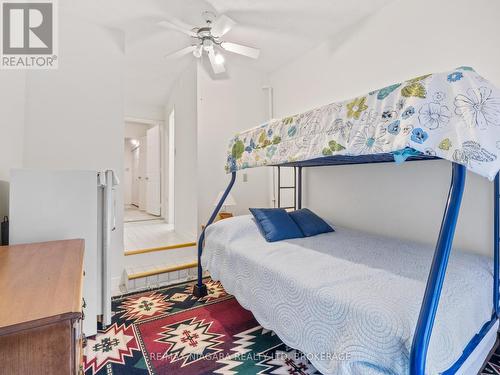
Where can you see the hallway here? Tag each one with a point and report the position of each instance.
(151, 234)
(133, 213)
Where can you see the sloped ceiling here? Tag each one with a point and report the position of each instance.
(282, 29)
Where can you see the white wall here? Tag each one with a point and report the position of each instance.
(135, 130)
(403, 40)
(143, 111)
(73, 118)
(12, 99)
(183, 99)
(127, 173)
(225, 107)
(74, 115)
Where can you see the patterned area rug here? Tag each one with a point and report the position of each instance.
(492, 366)
(168, 331)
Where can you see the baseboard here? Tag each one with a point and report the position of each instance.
(116, 283)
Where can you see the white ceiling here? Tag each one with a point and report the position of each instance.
(282, 29)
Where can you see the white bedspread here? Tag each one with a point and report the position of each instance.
(349, 293)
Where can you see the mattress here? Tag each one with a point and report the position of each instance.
(349, 300)
(453, 115)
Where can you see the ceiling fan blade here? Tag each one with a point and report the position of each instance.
(241, 50)
(178, 26)
(180, 53)
(222, 25)
(216, 67)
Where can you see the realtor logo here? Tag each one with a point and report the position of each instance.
(28, 34)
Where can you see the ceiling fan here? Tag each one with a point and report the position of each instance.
(207, 39)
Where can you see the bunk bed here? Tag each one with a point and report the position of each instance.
(452, 116)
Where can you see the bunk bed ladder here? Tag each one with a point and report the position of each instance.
(297, 188)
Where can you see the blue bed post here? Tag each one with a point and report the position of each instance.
(299, 189)
(437, 272)
(496, 244)
(200, 289)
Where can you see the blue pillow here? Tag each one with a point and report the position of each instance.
(309, 223)
(275, 224)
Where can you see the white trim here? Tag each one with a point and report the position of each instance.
(142, 120)
(170, 150)
(163, 166)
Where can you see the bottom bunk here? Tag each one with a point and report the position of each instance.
(350, 300)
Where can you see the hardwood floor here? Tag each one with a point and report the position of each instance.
(132, 213)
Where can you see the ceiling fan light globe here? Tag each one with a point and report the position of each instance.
(219, 59)
(207, 44)
(197, 53)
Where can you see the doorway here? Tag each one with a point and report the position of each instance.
(142, 177)
(149, 186)
(171, 166)
(143, 184)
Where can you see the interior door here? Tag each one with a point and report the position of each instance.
(142, 173)
(171, 167)
(135, 177)
(153, 167)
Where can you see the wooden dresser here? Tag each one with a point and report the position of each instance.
(41, 308)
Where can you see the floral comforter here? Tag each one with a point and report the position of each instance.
(453, 115)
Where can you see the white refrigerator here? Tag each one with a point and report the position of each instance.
(55, 205)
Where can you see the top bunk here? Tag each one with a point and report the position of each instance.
(359, 159)
(453, 115)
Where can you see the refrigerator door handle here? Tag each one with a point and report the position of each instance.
(113, 227)
(106, 245)
(101, 179)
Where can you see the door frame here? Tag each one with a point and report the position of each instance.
(154, 174)
(170, 127)
(163, 155)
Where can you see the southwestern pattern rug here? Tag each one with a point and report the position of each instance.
(169, 331)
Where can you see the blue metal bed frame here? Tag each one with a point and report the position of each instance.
(430, 302)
